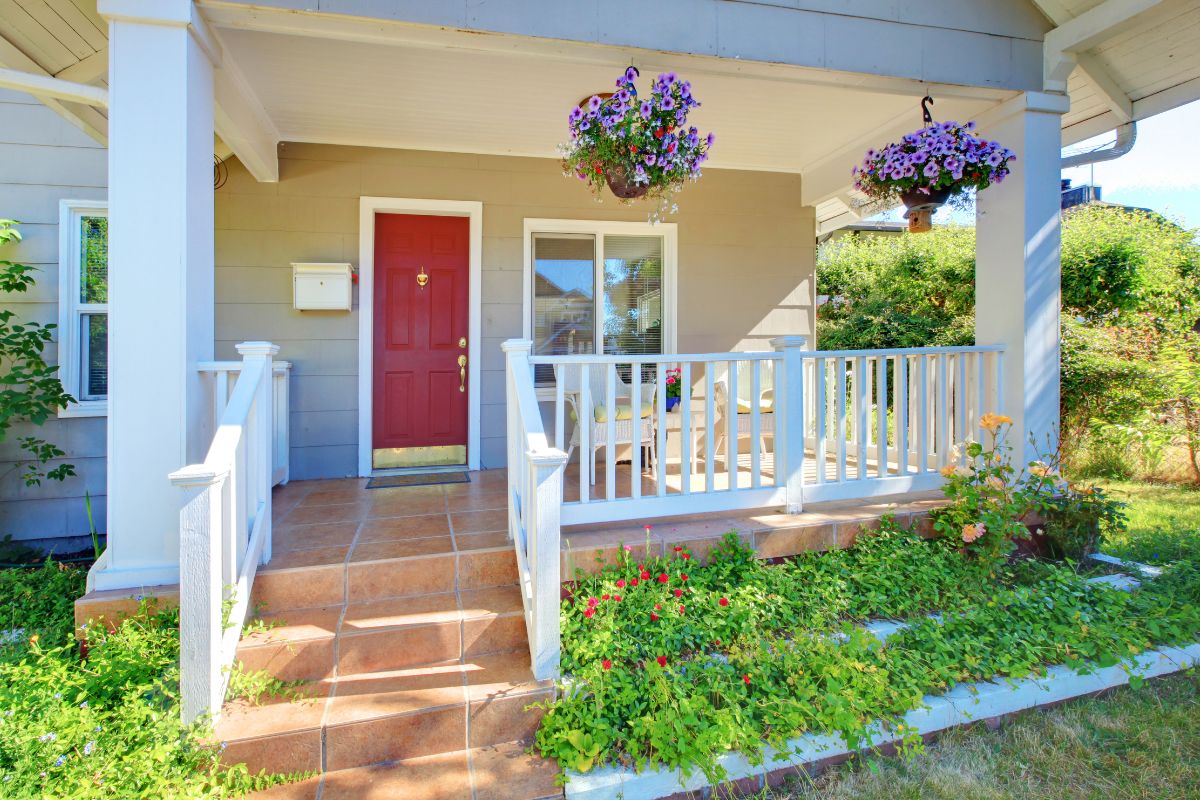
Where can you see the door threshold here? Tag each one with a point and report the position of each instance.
(384, 473)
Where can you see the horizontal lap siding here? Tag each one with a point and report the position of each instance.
(733, 226)
(45, 159)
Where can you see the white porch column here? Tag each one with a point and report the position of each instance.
(160, 177)
(1017, 270)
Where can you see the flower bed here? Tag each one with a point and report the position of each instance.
(694, 661)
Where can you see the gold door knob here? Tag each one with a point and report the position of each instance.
(462, 373)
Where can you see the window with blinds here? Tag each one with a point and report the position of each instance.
(596, 293)
(83, 306)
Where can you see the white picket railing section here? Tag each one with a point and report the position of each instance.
(816, 425)
(535, 473)
(219, 373)
(225, 532)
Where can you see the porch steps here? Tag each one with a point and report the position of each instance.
(413, 656)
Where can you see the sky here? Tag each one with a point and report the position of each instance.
(1161, 172)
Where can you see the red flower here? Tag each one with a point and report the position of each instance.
(678, 549)
(658, 134)
(685, 556)
(599, 171)
(633, 148)
(616, 598)
(633, 581)
(645, 575)
(662, 661)
(664, 578)
(658, 606)
(605, 596)
(653, 617)
(648, 527)
(682, 577)
(724, 601)
(746, 679)
(606, 664)
(593, 602)
(681, 609)
(621, 583)
(641, 567)
(679, 592)
(591, 612)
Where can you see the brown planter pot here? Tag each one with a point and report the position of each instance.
(919, 201)
(623, 186)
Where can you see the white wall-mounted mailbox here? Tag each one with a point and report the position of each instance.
(321, 287)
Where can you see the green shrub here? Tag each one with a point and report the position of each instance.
(38, 602)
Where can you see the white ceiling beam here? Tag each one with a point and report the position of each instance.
(1063, 45)
(240, 120)
(88, 69)
(87, 119)
(1100, 77)
(41, 86)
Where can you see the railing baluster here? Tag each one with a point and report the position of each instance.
(941, 447)
(731, 432)
(587, 459)
(862, 421)
(686, 455)
(960, 404)
(660, 445)
(980, 392)
(881, 416)
(710, 426)
(559, 411)
(610, 430)
(756, 425)
(635, 430)
(822, 421)
(841, 419)
(901, 390)
(923, 415)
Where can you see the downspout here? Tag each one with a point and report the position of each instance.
(1126, 137)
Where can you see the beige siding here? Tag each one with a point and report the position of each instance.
(45, 159)
(746, 261)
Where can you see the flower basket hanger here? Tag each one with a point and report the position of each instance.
(635, 147)
(927, 168)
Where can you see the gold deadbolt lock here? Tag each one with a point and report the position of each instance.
(462, 341)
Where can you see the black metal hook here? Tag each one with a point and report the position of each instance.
(926, 115)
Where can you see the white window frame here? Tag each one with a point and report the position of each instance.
(70, 309)
(601, 228)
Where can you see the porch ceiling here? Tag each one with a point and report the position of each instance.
(513, 100)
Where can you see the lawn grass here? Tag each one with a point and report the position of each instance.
(1129, 743)
(1164, 522)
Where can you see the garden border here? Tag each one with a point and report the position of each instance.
(964, 704)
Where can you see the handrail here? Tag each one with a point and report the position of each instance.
(694, 358)
(220, 371)
(225, 532)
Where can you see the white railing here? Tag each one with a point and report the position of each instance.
(535, 473)
(218, 373)
(816, 425)
(225, 532)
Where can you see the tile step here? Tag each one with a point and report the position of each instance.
(385, 716)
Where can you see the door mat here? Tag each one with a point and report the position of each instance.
(426, 479)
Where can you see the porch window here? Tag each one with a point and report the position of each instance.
(599, 288)
(83, 306)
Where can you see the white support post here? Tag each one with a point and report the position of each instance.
(1017, 272)
(161, 284)
(789, 418)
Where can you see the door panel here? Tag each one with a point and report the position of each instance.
(418, 397)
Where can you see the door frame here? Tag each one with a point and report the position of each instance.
(368, 207)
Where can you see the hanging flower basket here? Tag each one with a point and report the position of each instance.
(637, 147)
(931, 166)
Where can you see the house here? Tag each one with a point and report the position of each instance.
(410, 148)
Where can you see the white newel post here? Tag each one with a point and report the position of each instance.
(161, 284)
(545, 502)
(264, 411)
(1018, 270)
(789, 419)
(516, 356)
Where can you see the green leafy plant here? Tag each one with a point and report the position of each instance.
(30, 390)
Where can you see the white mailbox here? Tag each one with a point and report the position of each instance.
(321, 287)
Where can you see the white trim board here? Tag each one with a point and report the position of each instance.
(368, 207)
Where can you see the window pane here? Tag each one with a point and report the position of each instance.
(94, 356)
(93, 250)
(564, 308)
(633, 294)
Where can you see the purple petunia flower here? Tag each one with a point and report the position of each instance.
(709, 140)
(576, 114)
(594, 102)
(623, 96)
(647, 107)
(631, 75)
(583, 126)
(650, 159)
(931, 170)
(667, 103)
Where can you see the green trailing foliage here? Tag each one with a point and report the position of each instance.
(105, 726)
(742, 654)
(30, 390)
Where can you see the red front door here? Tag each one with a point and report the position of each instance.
(421, 314)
